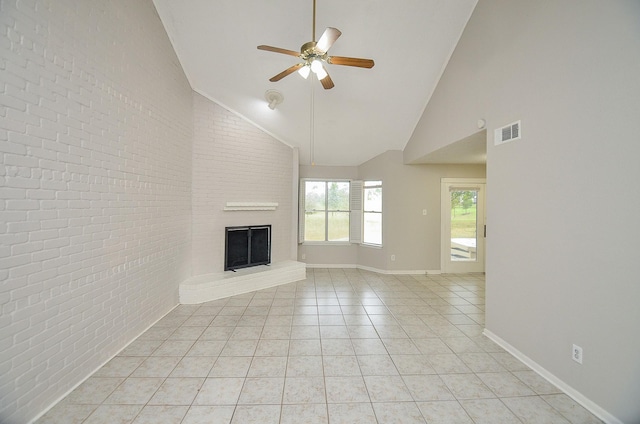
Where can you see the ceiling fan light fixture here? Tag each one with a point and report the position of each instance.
(304, 71)
(316, 66)
(314, 54)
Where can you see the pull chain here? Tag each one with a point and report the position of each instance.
(312, 124)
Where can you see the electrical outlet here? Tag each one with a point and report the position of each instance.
(303, 256)
(393, 257)
(424, 212)
(576, 354)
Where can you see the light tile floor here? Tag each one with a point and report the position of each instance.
(343, 346)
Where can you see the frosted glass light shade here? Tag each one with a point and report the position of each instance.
(304, 71)
(321, 73)
(316, 66)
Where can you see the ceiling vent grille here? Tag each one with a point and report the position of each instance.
(507, 133)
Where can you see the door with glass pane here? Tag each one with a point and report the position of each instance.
(463, 225)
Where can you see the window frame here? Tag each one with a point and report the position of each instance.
(304, 210)
(366, 187)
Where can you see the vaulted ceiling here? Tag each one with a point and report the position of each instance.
(368, 112)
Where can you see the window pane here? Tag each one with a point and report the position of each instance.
(338, 226)
(314, 196)
(372, 228)
(373, 199)
(338, 196)
(326, 210)
(463, 225)
(372, 216)
(314, 226)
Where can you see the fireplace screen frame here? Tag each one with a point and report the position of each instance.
(233, 240)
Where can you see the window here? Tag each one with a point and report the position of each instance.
(326, 210)
(372, 213)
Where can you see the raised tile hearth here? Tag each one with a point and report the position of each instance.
(208, 287)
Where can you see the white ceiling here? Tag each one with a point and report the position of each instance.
(368, 112)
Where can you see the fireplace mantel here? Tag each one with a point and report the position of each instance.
(250, 206)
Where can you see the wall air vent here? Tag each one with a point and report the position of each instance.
(508, 133)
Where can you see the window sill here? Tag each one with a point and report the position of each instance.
(372, 246)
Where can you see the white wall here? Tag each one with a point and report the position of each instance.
(413, 238)
(233, 161)
(562, 202)
(95, 189)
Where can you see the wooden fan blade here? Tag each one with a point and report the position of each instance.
(327, 82)
(286, 72)
(350, 61)
(278, 50)
(328, 37)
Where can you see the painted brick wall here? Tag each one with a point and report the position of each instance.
(233, 161)
(95, 189)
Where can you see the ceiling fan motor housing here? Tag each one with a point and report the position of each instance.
(308, 52)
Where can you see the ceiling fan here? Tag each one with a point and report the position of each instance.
(314, 56)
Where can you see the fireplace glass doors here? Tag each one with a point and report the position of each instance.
(247, 246)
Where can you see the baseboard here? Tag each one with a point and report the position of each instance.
(567, 389)
(97, 368)
(331, 266)
(371, 269)
(393, 271)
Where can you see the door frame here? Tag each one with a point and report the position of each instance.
(446, 265)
